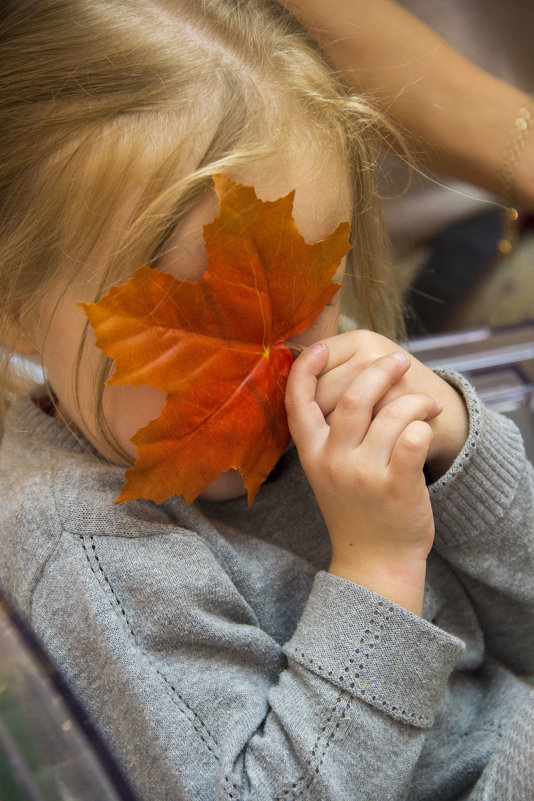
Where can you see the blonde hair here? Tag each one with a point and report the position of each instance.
(106, 99)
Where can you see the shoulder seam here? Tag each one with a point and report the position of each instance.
(95, 565)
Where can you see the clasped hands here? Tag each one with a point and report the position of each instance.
(366, 417)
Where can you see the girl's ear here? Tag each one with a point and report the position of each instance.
(16, 339)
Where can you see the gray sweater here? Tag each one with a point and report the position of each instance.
(219, 659)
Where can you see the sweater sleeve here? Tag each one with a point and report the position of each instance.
(484, 514)
(197, 701)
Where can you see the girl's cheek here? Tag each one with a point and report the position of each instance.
(128, 409)
(325, 326)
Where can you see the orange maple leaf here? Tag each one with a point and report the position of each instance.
(215, 345)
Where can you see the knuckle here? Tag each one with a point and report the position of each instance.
(417, 435)
(378, 359)
(370, 340)
(392, 412)
(352, 399)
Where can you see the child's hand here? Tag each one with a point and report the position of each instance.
(350, 353)
(365, 467)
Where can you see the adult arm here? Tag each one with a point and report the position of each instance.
(460, 116)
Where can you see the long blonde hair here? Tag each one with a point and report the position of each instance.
(98, 97)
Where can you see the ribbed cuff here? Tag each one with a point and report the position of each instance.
(481, 483)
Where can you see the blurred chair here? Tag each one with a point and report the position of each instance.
(48, 749)
(499, 362)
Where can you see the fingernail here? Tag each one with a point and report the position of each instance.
(319, 347)
(401, 357)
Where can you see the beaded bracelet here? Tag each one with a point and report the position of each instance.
(516, 143)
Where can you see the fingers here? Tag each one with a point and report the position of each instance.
(348, 355)
(355, 422)
(351, 418)
(305, 418)
(393, 421)
(364, 346)
(411, 448)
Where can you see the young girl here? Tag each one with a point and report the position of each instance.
(322, 643)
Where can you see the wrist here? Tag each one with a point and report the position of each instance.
(400, 580)
(450, 429)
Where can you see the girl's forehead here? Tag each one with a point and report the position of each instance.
(322, 201)
(323, 196)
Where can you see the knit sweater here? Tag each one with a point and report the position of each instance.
(220, 660)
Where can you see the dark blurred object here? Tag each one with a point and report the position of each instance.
(462, 258)
(48, 749)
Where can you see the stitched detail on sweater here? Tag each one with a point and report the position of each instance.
(489, 727)
(323, 741)
(232, 790)
(354, 671)
(198, 725)
(314, 763)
